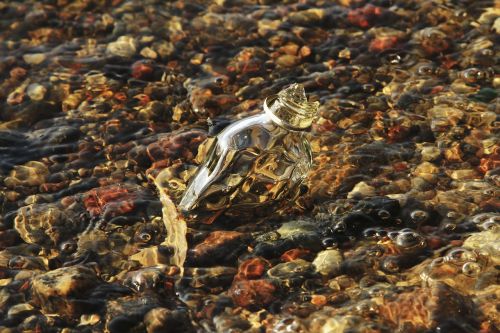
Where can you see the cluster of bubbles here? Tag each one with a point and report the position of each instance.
(465, 261)
(404, 239)
(486, 221)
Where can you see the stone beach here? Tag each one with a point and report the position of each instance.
(103, 102)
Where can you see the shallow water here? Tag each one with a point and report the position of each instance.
(398, 230)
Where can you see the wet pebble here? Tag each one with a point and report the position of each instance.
(165, 320)
(253, 293)
(34, 58)
(36, 91)
(328, 262)
(124, 46)
(61, 291)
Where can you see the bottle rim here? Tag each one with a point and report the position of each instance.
(289, 114)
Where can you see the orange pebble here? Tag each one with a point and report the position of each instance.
(294, 254)
(318, 300)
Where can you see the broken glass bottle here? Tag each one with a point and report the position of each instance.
(256, 165)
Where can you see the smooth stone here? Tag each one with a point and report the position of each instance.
(496, 26)
(230, 323)
(464, 174)
(22, 309)
(487, 241)
(163, 320)
(340, 324)
(56, 290)
(288, 60)
(163, 49)
(291, 269)
(430, 154)
(427, 171)
(34, 58)
(362, 189)
(328, 262)
(32, 173)
(291, 229)
(148, 52)
(252, 293)
(421, 184)
(36, 91)
(124, 46)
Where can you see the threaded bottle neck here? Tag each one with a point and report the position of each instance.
(290, 108)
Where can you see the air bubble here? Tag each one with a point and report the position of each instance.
(393, 235)
(384, 214)
(368, 88)
(340, 227)
(460, 256)
(68, 247)
(370, 233)
(145, 237)
(425, 70)
(394, 58)
(494, 219)
(479, 218)
(437, 262)
(409, 239)
(471, 269)
(473, 75)
(449, 227)
(329, 242)
(419, 216)
(488, 225)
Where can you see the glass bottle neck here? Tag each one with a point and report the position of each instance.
(284, 116)
(290, 108)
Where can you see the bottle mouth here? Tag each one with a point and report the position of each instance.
(291, 109)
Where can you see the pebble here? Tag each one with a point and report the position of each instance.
(464, 174)
(124, 46)
(488, 241)
(397, 217)
(164, 320)
(288, 60)
(328, 262)
(362, 190)
(59, 290)
(36, 91)
(21, 310)
(292, 269)
(294, 228)
(427, 171)
(148, 52)
(252, 293)
(430, 154)
(34, 58)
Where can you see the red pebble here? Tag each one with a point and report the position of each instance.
(114, 199)
(252, 293)
(397, 133)
(380, 44)
(364, 17)
(17, 73)
(400, 166)
(490, 162)
(216, 242)
(293, 254)
(252, 268)
(142, 69)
